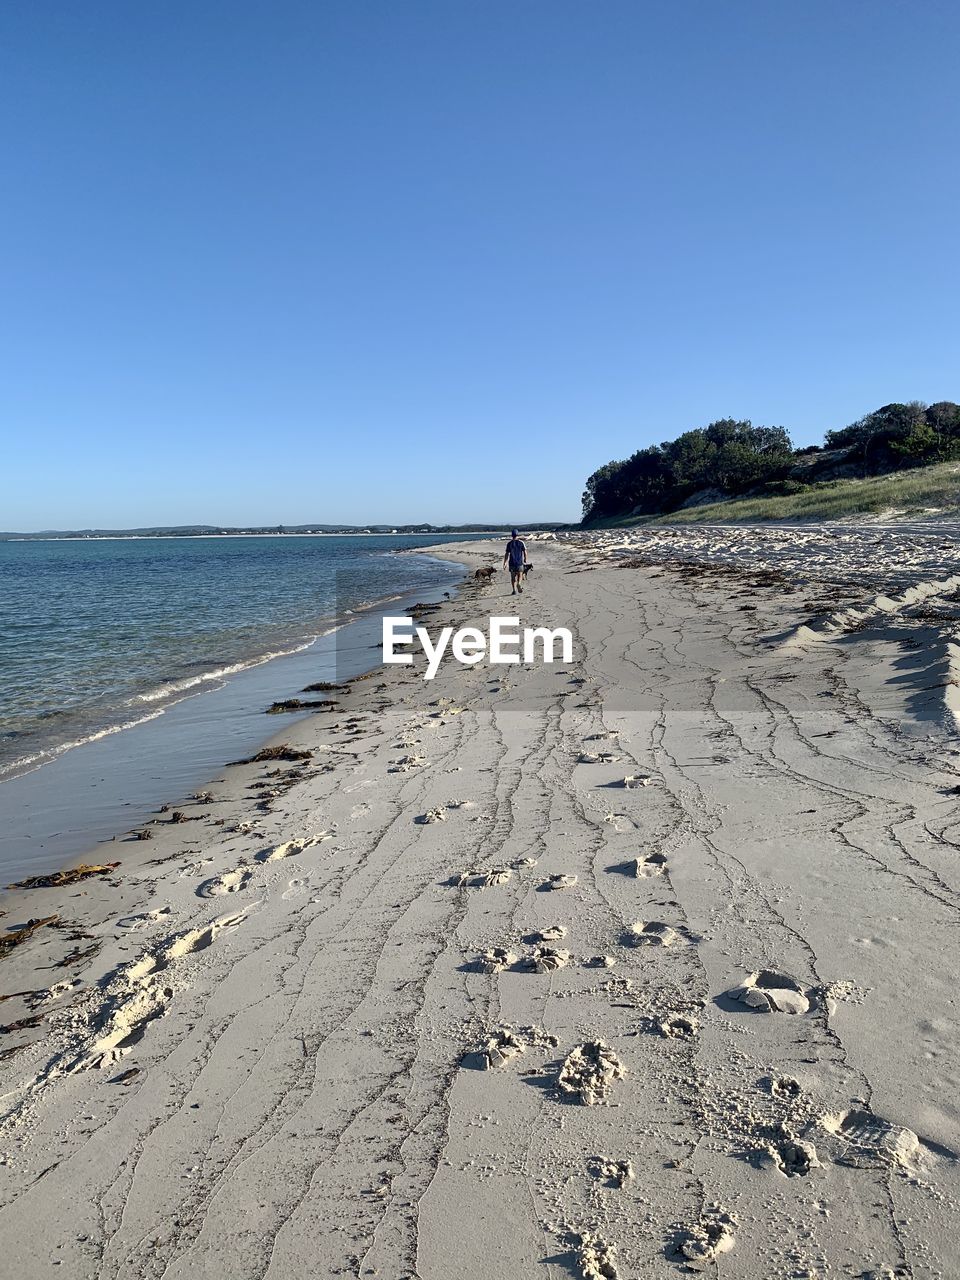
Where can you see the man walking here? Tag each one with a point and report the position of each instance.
(516, 556)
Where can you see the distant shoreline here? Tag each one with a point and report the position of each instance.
(379, 532)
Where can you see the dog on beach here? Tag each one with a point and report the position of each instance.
(487, 575)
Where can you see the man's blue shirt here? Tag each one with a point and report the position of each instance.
(515, 552)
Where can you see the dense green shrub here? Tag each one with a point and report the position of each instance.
(734, 457)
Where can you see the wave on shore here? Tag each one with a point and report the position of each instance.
(106, 632)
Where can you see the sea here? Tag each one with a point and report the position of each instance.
(130, 668)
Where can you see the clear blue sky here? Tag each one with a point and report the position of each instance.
(440, 259)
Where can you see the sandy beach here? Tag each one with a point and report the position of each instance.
(635, 966)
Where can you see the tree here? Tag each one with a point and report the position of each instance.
(729, 454)
(944, 416)
(641, 483)
(870, 437)
(648, 484)
(600, 493)
(690, 457)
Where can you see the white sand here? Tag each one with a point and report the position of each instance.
(351, 1058)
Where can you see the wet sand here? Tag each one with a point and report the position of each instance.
(637, 966)
(56, 812)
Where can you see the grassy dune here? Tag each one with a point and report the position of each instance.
(904, 492)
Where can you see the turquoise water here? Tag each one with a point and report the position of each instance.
(97, 635)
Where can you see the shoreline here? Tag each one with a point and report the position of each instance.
(185, 537)
(230, 712)
(260, 1054)
(107, 634)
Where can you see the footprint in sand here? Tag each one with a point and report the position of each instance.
(793, 1157)
(296, 888)
(143, 921)
(699, 1246)
(867, 1140)
(654, 864)
(616, 1173)
(137, 995)
(786, 1088)
(496, 876)
(597, 1258)
(507, 1043)
(432, 815)
(678, 1026)
(560, 882)
(589, 1072)
(770, 992)
(290, 848)
(230, 882)
(552, 933)
(199, 939)
(495, 960)
(489, 879)
(646, 933)
(245, 829)
(547, 960)
(195, 868)
(124, 1024)
(362, 785)
(404, 764)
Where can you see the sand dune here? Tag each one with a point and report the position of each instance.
(484, 1008)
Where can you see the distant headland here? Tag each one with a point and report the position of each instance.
(279, 530)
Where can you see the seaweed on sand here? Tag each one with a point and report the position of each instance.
(297, 704)
(15, 937)
(58, 878)
(283, 752)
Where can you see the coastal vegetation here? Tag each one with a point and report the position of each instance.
(710, 472)
(918, 490)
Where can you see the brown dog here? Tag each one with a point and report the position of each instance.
(484, 575)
